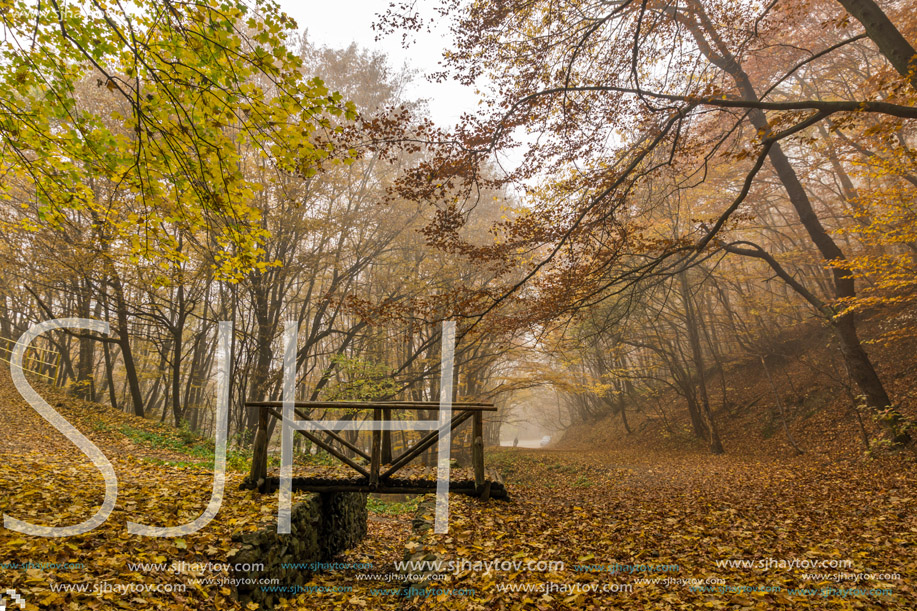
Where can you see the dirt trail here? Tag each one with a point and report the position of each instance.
(24, 430)
(795, 520)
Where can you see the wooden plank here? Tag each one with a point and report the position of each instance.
(380, 405)
(477, 450)
(494, 476)
(412, 487)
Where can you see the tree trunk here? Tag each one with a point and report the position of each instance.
(266, 321)
(780, 408)
(697, 420)
(109, 374)
(716, 445)
(858, 363)
(177, 346)
(627, 392)
(892, 44)
(83, 388)
(133, 382)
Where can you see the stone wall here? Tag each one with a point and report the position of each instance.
(321, 527)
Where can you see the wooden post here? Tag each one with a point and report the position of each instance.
(387, 439)
(376, 454)
(259, 451)
(477, 450)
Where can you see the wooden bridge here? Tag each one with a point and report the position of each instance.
(375, 470)
(42, 362)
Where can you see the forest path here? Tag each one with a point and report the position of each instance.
(655, 530)
(637, 530)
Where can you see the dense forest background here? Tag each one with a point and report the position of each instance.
(651, 199)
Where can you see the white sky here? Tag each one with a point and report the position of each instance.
(338, 23)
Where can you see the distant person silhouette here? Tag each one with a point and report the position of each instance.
(516, 441)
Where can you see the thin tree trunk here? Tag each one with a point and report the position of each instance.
(133, 382)
(83, 388)
(716, 445)
(109, 374)
(786, 426)
(176, 360)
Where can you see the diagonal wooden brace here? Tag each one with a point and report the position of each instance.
(424, 443)
(326, 447)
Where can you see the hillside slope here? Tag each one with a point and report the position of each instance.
(807, 373)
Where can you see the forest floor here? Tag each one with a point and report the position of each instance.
(633, 527)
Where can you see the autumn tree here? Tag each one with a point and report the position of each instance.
(620, 95)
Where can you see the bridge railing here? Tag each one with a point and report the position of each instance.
(325, 437)
(42, 362)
